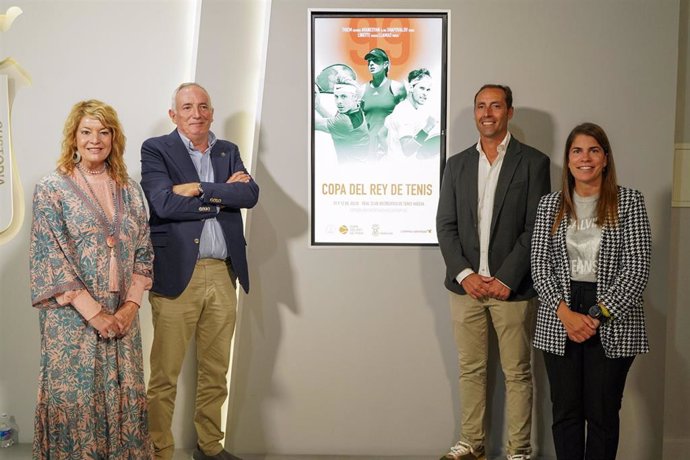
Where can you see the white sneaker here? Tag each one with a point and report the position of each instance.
(518, 457)
(463, 451)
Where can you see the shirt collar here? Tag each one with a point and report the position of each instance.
(190, 146)
(501, 147)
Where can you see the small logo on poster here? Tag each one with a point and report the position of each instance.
(343, 229)
(375, 229)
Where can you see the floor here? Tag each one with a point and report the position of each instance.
(23, 452)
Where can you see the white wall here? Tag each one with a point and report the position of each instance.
(347, 350)
(129, 54)
(350, 350)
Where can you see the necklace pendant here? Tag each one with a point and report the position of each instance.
(110, 241)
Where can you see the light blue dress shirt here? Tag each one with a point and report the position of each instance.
(212, 242)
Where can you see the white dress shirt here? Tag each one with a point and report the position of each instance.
(487, 178)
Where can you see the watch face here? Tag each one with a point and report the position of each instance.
(595, 311)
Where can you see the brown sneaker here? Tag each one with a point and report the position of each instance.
(463, 451)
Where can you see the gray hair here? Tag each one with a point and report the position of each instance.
(185, 85)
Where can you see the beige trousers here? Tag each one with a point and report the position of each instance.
(206, 309)
(514, 325)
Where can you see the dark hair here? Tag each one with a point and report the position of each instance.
(378, 55)
(607, 206)
(506, 90)
(416, 74)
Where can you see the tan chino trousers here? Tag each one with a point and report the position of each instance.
(514, 325)
(206, 309)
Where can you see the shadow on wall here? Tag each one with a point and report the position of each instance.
(644, 388)
(133, 151)
(276, 221)
(432, 283)
(536, 128)
(647, 393)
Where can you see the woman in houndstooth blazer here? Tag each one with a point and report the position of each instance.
(591, 251)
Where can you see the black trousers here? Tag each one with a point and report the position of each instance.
(586, 392)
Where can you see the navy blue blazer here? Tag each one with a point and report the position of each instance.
(176, 221)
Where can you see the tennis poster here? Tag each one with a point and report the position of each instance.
(378, 117)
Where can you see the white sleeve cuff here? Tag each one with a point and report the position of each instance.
(464, 274)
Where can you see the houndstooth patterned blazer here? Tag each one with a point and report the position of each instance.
(622, 272)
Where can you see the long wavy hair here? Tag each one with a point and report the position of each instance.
(108, 118)
(607, 206)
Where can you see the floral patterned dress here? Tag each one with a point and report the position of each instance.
(91, 395)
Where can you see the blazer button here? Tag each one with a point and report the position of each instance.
(196, 240)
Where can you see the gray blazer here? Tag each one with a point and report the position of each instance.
(523, 180)
(622, 273)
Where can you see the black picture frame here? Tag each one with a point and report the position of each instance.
(384, 194)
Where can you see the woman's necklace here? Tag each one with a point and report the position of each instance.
(110, 240)
(93, 172)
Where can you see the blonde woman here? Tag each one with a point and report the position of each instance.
(91, 261)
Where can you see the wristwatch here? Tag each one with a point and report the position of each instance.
(596, 313)
(201, 190)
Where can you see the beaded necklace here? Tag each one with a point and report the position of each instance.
(110, 240)
(93, 172)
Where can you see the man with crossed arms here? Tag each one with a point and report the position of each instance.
(195, 185)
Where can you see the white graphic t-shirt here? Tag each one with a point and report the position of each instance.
(582, 239)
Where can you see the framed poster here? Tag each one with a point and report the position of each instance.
(378, 125)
